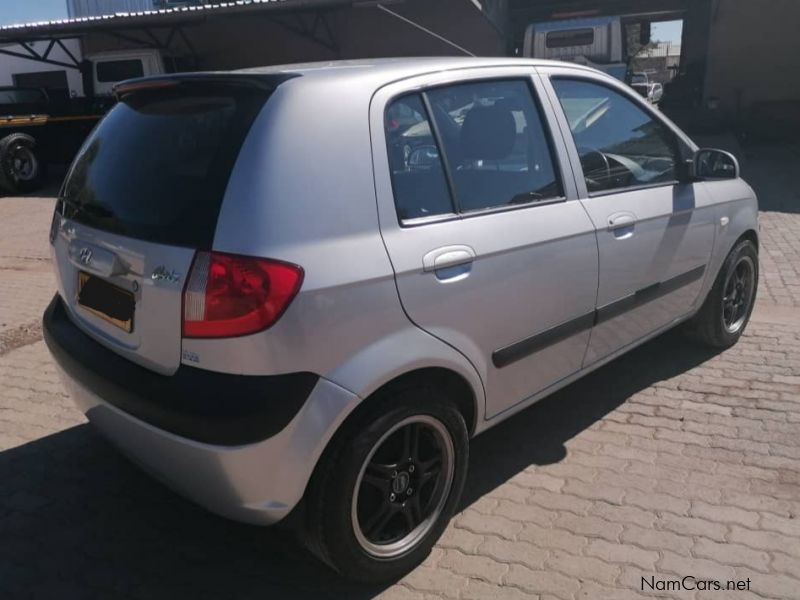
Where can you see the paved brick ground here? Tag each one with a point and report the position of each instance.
(671, 461)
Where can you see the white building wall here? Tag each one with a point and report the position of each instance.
(88, 8)
(9, 65)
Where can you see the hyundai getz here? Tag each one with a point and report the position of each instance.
(318, 282)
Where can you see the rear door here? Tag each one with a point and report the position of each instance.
(142, 196)
(654, 232)
(492, 252)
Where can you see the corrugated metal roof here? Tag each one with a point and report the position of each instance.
(10, 33)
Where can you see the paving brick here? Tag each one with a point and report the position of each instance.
(690, 526)
(439, 581)
(622, 553)
(461, 539)
(538, 479)
(788, 565)
(683, 565)
(479, 567)
(582, 567)
(505, 551)
(657, 540)
(601, 490)
(623, 514)
(657, 502)
(589, 526)
(786, 526)
(732, 554)
(724, 514)
(765, 540)
(489, 524)
(553, 501)
(553, 538)
(479, 590)
(542, 582)
(525, 513)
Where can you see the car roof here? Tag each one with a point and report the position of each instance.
(364, 75)
(381, 71)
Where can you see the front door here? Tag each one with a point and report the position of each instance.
(492, 251)
(654, 233)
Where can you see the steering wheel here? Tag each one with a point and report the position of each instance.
(596, 168)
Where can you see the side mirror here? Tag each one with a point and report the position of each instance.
(714, 164)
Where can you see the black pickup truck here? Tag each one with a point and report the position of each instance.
(37, 130)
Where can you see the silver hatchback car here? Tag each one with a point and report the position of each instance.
(318, 282)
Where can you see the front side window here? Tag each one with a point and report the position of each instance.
(620, 145)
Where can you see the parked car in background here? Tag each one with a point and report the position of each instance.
(647, 88)
(306, 288)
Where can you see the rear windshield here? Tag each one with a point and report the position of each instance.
(157, 165)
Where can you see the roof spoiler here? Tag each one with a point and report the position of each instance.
(266, 82)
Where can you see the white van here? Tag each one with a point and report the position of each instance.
(109, 68)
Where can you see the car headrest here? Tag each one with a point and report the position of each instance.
(488, 133)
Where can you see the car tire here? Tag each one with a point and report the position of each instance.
(21, 167)
(372, 513)
(726, 311)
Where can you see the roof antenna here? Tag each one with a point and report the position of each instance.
(428, 31)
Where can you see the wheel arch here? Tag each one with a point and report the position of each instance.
(751, 235)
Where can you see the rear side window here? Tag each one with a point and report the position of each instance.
(469, 147)
(157, 166)
(111, 71)
(494, 143)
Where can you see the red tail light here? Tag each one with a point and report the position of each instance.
(228, 295)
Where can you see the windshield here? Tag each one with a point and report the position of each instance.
(639, 78)
(157, 166)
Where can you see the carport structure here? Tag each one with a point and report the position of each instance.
(247, 33)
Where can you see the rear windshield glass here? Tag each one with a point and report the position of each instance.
(157, 165)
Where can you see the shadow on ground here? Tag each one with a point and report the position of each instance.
(772, 171)
(78, 521)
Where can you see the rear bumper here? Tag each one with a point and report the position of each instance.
(257, 482)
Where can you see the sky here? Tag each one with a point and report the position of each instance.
(665, 31)
(21, 11)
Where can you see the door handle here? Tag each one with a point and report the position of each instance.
(447, 256)
(621, 219)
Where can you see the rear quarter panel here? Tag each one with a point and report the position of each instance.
(303, 191)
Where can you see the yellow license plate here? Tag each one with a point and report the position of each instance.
(106, 301)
